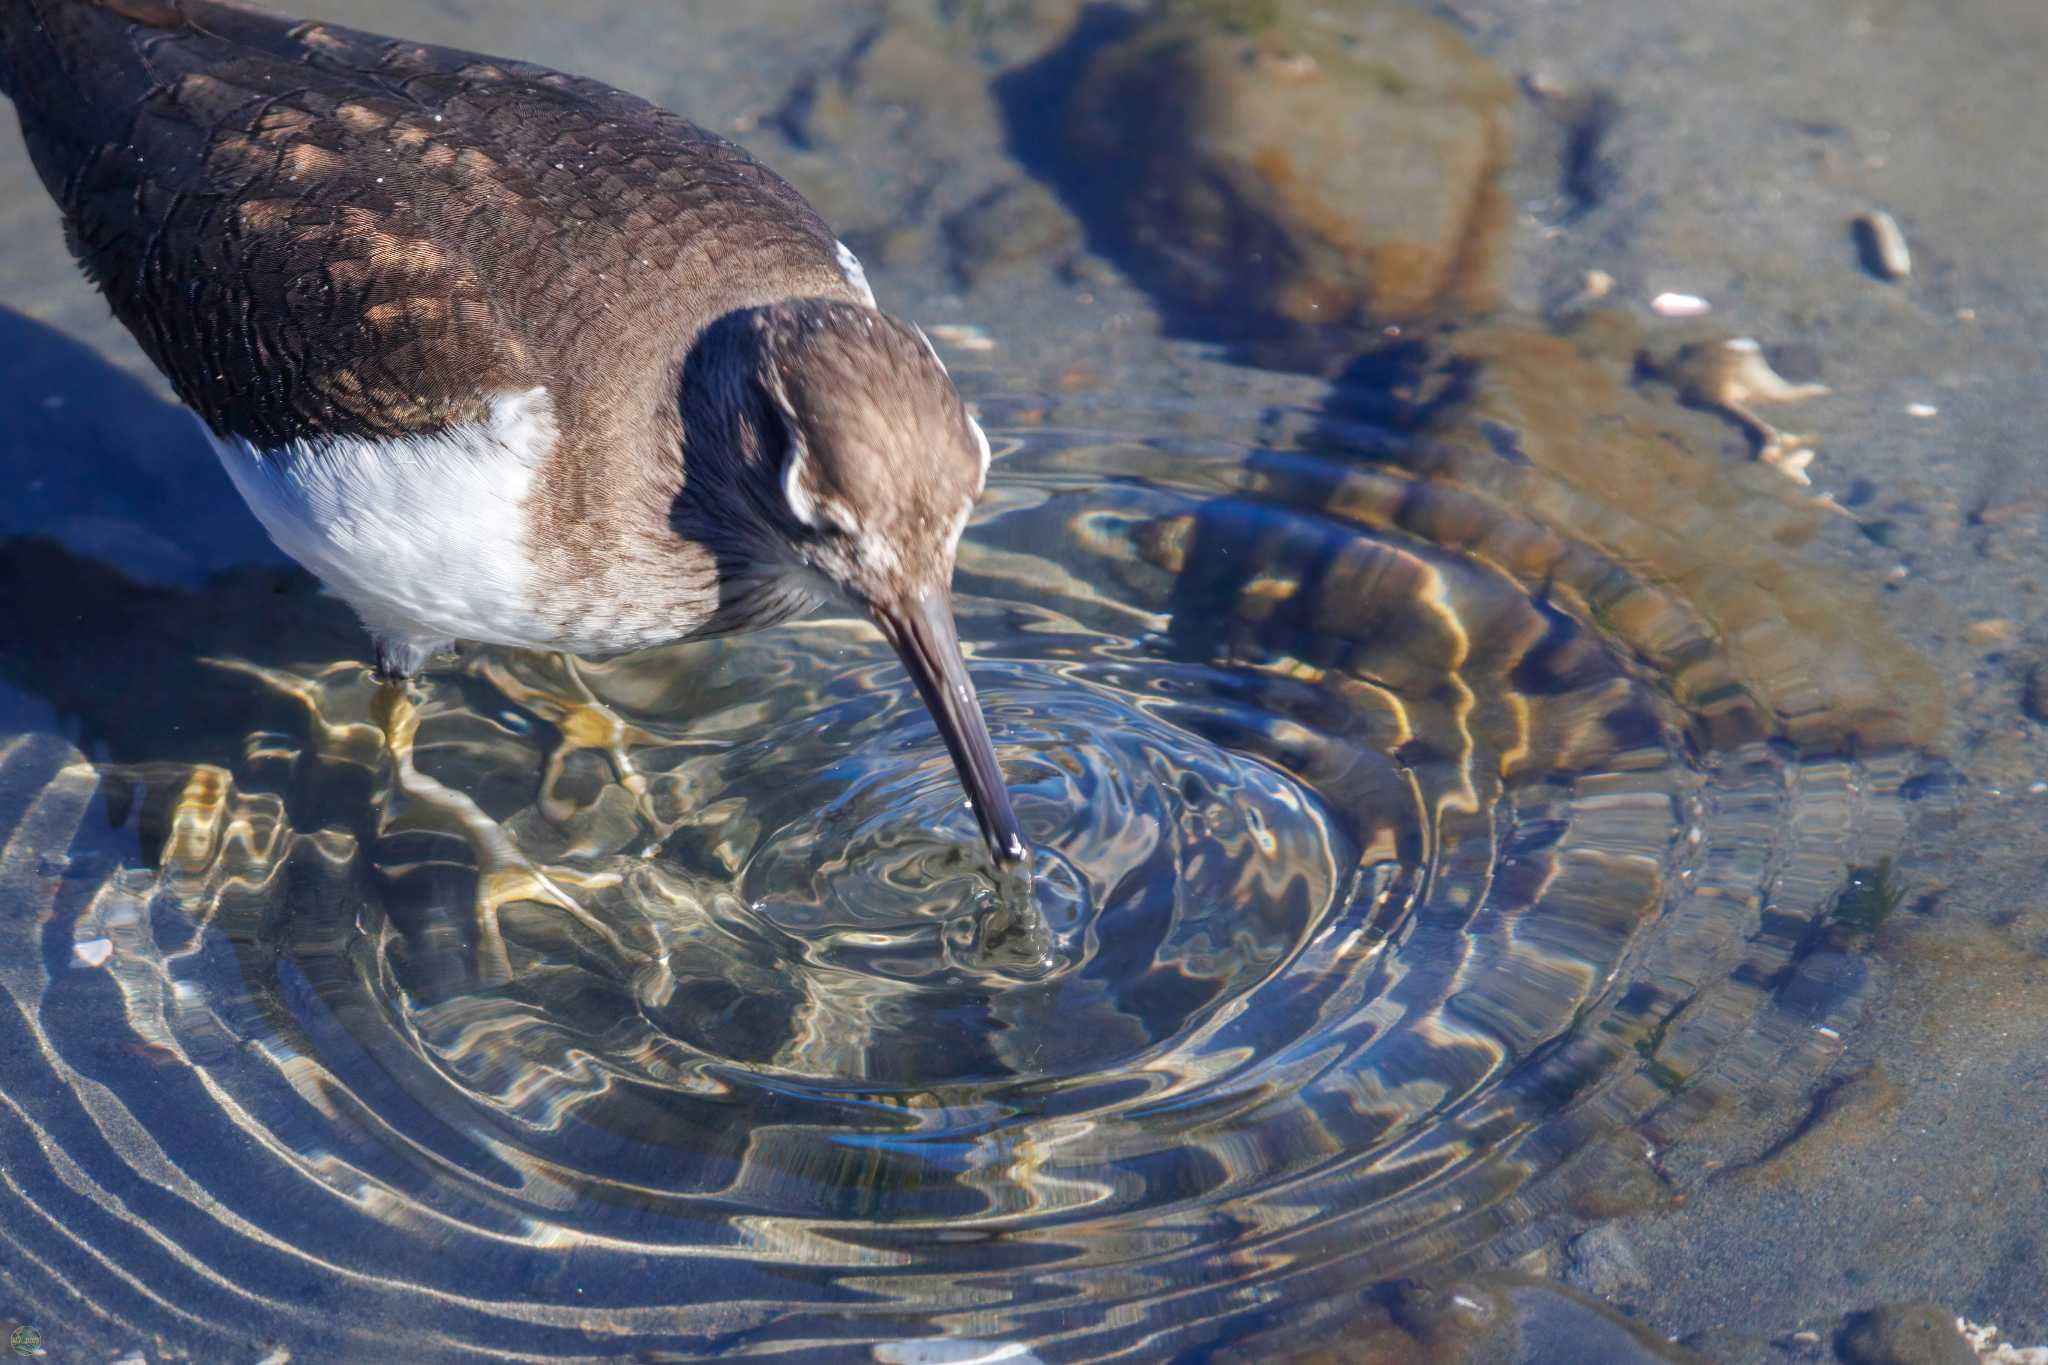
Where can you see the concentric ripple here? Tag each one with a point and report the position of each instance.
(667, 1005)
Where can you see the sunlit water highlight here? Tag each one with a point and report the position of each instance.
(1376, 885)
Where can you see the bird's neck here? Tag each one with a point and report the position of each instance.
(728, 457)
(650, 522)
(727, 505)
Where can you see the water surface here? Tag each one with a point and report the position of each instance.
(670, 998)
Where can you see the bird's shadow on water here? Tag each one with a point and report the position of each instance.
(96, 460)
(127, 561)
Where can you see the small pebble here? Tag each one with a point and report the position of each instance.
(965, 336)
(1669, 305)
(1601, 1263)
(1884, 246)
(94, 952)
(1993, 630)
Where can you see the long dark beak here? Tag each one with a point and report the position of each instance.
(921, 628)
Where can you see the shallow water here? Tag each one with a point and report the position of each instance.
(1467, 791)
(1378, 887)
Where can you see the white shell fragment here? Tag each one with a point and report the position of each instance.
(1884, 246)
(93, 952)
(1597, 285)
(1733, 377)
(1921, 410)
(1669, 305)
(1983, 1339)
(1751, 377)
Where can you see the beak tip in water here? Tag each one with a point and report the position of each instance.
(923, 633)
(1011, 851)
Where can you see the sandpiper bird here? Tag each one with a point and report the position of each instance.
(502, 354)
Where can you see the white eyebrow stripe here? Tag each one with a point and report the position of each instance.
(801, 504)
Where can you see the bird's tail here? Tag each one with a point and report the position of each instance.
(49, 50)
(78, 70)
(42, 38)
(21, 35)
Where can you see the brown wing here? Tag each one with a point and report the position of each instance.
(313, 230)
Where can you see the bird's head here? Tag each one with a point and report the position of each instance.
(872, 465)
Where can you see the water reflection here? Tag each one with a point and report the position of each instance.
(657, 997)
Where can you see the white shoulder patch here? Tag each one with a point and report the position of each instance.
(850, 266)
(981, 441)
(425, 536)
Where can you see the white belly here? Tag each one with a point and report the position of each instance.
(425, 536)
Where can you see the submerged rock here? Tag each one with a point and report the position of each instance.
(1292, 163)
(1601, 1263)
(1905, 1334)
(898, 136)
(1569, 477)
(1012, 225)
(1285, 174)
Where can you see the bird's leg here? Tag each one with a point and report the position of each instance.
(505, 875)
